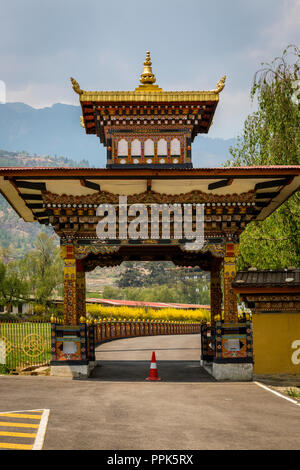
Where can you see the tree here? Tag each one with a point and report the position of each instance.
(192, 292)
(43, 268)
(271, 137)
(13, 286)
(132, 276)
(157, 272)
(5, 254)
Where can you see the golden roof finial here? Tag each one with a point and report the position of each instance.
(147, 77)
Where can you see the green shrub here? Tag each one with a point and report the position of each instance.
(4, 369)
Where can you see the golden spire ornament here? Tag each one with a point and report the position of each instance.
(147, 77)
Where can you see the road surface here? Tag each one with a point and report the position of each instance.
(118, 409)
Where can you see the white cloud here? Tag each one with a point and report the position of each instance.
(283, 31)
(41, 95)
(288, 25)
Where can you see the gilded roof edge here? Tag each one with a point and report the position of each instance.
(164, 96)
(148, 94)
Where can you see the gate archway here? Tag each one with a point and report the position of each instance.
(69, 198)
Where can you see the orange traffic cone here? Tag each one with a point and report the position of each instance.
(153, 369)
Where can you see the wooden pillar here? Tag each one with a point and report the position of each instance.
(230, 298)
(155, 160)
(142, 152)
(168, 151)
(74, 287)
(129, 160)
(215, 291)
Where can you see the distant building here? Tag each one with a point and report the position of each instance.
(156, 305)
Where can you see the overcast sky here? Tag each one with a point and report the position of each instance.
(102, 44)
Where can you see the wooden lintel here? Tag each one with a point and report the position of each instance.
(43, 214)
(262, 203)
(273, 183)
(267, 195)
(90, 184)
(31, 197)
(220, 184)
(29, 184)
(34, 206)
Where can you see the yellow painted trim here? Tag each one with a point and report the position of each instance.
(9, 445)
(18, 425)
(161, 96)
(17, 434)
(17, 415)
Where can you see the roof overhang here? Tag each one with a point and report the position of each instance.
(280, 281)
(271, 186)
(133, 111)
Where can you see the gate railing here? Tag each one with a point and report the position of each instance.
(104, 330)
(24, 344)
(34, 343)
(77, 343)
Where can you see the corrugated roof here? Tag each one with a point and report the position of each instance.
(206, 169)
(267, 278)
(133, 303)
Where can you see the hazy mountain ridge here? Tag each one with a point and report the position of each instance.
(24, 159)
(56, 130)
(18, 236)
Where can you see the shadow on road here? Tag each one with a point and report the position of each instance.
(138, 371)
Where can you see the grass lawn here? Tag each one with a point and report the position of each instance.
(293, 392)
(94, 295)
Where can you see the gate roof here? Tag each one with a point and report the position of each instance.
(268, 280)
(267, 187)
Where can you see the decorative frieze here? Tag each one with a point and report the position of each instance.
(272, 303)
(215, 202)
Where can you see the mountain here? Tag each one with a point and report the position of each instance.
(56, 130)
(48, 131)
(16, 236)
(11, 159)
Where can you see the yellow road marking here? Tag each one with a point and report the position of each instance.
(12, 429)
(17, 415)
(8, 445)
(17, 434)
(18, 425)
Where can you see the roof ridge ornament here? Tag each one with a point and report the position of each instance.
(220, 85)
(76, 86)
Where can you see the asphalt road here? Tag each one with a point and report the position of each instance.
(118, 409)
